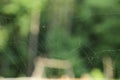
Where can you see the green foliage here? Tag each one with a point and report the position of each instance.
(92, 33)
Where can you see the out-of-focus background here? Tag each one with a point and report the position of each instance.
(85, 32)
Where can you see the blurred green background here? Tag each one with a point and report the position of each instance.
(82, 31)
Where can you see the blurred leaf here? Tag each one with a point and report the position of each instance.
(11, 8)
(4, 35)
(101, 3)
(97, 74)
